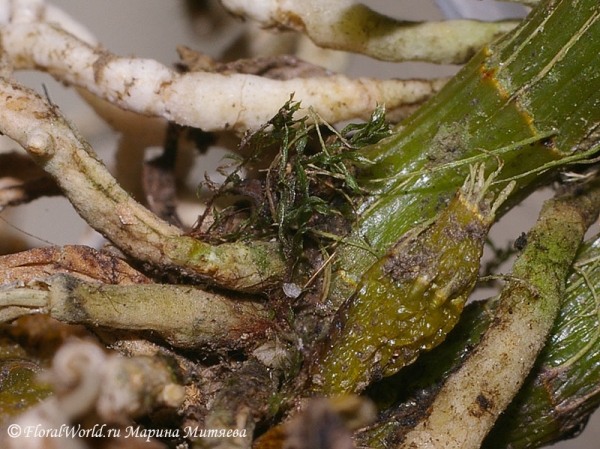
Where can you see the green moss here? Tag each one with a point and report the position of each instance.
(308, 190)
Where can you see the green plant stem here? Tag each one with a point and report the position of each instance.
(557, 398)
(527, 100)
(412, 297)
(473, 397)
(404, 398)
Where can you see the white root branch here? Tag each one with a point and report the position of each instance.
(209, 101)
(55, 145)
(25, 11)
(346, 25)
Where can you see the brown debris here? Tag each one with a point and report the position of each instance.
(323, 424)
(159, 181)
(81, 261)
(281, 67)
(43, 335)
(22, 181)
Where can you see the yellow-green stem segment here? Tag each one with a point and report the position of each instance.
(473, 397)
(412, 297)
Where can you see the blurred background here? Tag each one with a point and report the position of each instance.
(153, 29)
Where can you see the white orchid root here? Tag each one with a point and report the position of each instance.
(94, 193)
(346, 25)
(209, 101)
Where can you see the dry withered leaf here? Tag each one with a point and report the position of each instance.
(77, 260)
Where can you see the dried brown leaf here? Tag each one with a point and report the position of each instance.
(81, 261)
